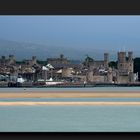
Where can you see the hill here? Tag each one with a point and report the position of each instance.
(23, 50)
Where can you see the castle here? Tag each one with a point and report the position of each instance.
(91, 71)
(125, 68)
(8, 61)
(100, 72)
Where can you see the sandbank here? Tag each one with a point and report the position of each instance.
(68, 103)
(72, 94)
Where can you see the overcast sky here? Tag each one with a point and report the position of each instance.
(99, 32)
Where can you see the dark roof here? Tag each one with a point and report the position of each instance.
(66, 65)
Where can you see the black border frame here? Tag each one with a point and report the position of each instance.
(70, 135)
(69, 7)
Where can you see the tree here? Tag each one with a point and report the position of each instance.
(137, 66)
(88, 60)
(113, 64)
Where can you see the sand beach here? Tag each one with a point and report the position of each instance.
(71, 94)
(68, 94)
(68, 103)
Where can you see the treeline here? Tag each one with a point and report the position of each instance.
(41, 62)
(137, 66)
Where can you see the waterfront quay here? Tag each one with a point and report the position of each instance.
(61, 72)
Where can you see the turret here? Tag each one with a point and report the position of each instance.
(130, 62)
(33, 59)
(61, 56)
(130, 56)
(122, 65)
(12, 59)
(3, 57)
(106, 59)
(122, 57)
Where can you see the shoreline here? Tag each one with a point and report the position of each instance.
(71, 94)
(69, 103)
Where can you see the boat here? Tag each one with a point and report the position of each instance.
(49, 82)
(53, 82)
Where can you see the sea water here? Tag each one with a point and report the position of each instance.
(47, 89)
(69, 99)
(70, 119)
(39, 118)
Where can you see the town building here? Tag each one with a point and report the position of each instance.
(90, 71)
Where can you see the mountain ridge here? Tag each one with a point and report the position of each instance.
(24, 50)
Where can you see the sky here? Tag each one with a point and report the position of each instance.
(84, 32)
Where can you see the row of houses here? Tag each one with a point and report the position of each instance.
(61, 69)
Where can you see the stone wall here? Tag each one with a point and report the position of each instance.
(98, 79)
(123, 79)
(66, 72)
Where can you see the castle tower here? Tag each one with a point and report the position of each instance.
(33, 59)
(3, 60)
(106, 59)
(12, 59)
(121, 61)
(121, 57)
(61, 56)
(3, 57)
(130, 56)
(130, 62)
